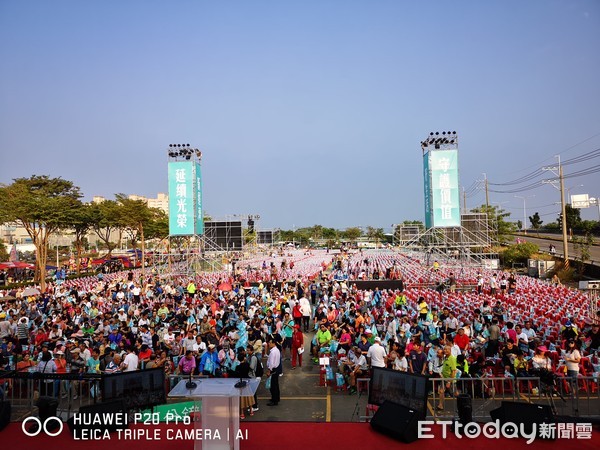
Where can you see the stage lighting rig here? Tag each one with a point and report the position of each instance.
(183, 152)
(445, 140)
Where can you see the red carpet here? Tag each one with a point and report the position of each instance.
(291, 436)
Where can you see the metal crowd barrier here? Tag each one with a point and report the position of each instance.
(567, 397)
(23, 389)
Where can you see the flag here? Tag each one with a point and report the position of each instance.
(14, 256)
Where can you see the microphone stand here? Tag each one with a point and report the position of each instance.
(190, 384)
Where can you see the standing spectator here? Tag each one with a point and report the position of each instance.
(187, 364)
(273, 370)
(493, 339)
(131, 361)
(46, 365)
(417, 362)
(23, 331)
(449, 368)
(297, 346)
(377, 354)
(287, 331)
(306, 310)
(572, 359)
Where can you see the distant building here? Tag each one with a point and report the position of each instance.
(160, 202)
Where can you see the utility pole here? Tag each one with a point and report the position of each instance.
(464, 201)
(563, 204)
(564, 213)
(487, 192)
(524, 211)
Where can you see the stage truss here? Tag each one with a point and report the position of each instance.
(470, 243)
(186, 256)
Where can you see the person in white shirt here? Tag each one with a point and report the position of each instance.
(306, 312)
(199, 346)
(522, 339)
(273, 363)
(358, 367)
(572, 359)
(377, 354)
(131, 361)
(400, 363)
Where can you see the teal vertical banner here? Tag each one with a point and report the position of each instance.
(445, 195)
(182, 192)
(427, 188)
(198, 209)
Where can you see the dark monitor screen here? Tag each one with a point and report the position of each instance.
(399, 387)
(138, 389)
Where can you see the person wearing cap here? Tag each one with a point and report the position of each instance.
(209, 363)
(569, 331)
(540, 360)
(377, 355)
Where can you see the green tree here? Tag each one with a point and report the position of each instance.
(536, 222)
(519, 253)
(106, 220)
(352, 233)
(331, 234)
(134, 216)
(3, 252)
(375, 234)
(42, 205)
(81, 221)
(582, 247)
(158, 226)
(573, 217)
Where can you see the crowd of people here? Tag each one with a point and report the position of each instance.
(245, 326)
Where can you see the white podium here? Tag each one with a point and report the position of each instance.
(219, 409)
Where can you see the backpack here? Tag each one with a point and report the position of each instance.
(259, 370)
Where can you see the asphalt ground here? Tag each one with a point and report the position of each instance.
(303, 399)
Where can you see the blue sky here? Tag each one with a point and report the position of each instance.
(306, 112)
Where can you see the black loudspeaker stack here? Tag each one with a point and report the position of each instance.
(523, 413)
(396, 421)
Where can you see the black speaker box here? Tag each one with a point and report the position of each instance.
(99, 408)
(5, 410)
(523, 413)
(396, 421)
(47, 407)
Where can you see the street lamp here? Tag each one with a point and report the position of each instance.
(524, 210)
